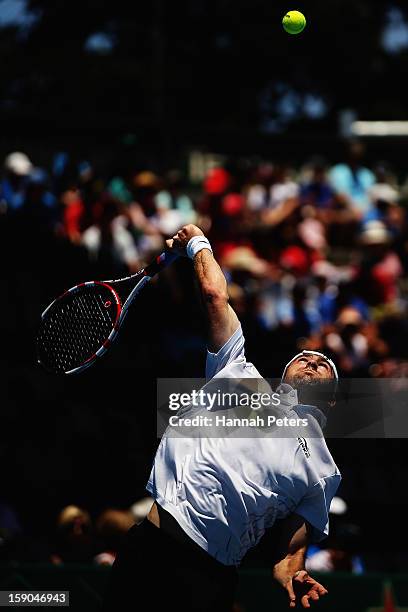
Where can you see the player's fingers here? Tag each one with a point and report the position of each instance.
(175, 245)
(301, 576)
(314, 595)
(322, 590)
(291, 593)
(305, 601)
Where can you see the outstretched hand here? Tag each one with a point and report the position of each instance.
(303, 588)
(180, 240)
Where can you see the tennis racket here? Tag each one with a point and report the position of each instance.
(81, 324)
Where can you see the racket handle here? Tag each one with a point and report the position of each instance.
(161, 262)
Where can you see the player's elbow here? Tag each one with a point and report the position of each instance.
(215, 295)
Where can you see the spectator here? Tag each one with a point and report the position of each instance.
(111, 526)
(312, 232)
(326, 298)
(282, 201)
(173, 197)
(341, 551)
(283, 188)
(17, 167)
(348, 342)
(380, 266)
(257, 190)
(383, 192)
(118, 189)
(146, 184)
(39, 209)
(351, 180)
(73, 213)
(140, 509)
(73, 537)
(316, 191)
(109, 242)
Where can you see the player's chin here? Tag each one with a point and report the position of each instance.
(306, 378)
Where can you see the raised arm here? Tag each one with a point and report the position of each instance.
(222, 320)
(289, 566)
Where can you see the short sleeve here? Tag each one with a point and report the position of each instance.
(232, 351)
(314, 507)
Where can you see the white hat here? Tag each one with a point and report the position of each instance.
(383, 191)
(18, 163)
(141, 508)
(375, 232)
(338, 506)
(330, 362)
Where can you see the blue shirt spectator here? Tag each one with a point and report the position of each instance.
(317, 191)
(354, 183)
(352, 180)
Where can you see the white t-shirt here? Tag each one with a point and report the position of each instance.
(225, 492)
(280, 192)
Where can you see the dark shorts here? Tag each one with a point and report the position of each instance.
(163, 569)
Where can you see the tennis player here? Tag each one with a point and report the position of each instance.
(215, 497)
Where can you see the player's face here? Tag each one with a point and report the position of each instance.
(309, 368)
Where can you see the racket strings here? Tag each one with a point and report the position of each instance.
(76, 328)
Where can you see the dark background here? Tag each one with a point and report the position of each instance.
(216, 75)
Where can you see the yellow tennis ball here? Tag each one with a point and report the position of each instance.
(294, 22)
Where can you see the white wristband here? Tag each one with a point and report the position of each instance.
(196, 244)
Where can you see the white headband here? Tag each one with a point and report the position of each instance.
(329, 361)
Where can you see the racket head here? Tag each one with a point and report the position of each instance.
(78, 327)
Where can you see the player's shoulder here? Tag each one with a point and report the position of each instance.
(234, 344)
(240, 368)
(230, 359)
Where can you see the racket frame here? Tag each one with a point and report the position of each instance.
(160, 262)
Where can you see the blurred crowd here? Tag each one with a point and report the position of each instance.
(315, 257)
(78, 537)
(319, 252)
(75, 537)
